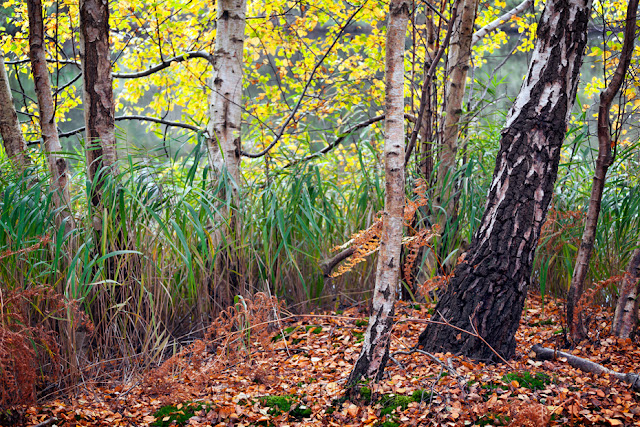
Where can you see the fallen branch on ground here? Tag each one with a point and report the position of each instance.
(543, 353)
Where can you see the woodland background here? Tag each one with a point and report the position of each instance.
(134, 229)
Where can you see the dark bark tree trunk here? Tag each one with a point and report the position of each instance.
(625, 319)
(99, 109)
(577, 330)
(490, 286)
(12, 138)
(57, 164)
(375, 349)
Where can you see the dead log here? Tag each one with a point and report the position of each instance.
(543, 353)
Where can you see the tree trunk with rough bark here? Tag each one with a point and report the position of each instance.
(458, 60)
(225, 99)
(625, 318)
(577, 330)
(97, 83)
(490, 286)
(12, 138)
(57, 164)
(375, 350)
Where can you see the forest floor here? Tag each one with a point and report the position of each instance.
(299, 381)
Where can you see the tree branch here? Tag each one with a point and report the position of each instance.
(425, 85)
(134, 117)
(542, 353)
(342, 137)
(493, 25)
(304, 90)
(165, 64)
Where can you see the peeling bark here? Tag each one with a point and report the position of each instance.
(490, 286)
(577, 331)
(57, 163)
(99, 109)
(375, 350)
(625, 318)
(12, 138)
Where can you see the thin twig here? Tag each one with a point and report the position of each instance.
(304, 90)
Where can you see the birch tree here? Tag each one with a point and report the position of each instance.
(12, 138)
(57, 163)
(375, 350)
(487, 293)
(99, 109)
(223, 129)
(225, 99)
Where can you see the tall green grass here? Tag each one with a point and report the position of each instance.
(167, 257)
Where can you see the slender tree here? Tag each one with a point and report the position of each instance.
(625, 318)
(604, 160)
(225, 99)
(57, 163)
(99, 109)
(225, 115)
(375, 350)
(12, 138)
(458, 60)
(488, 290)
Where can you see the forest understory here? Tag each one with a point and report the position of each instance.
(255, 378)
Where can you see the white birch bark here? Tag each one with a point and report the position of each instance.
(225, 99)
(375, 350)
(488, 290)
(625, 318)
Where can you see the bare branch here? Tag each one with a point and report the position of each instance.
(304, 90)
(343, 136)
(427, 82)
(493, 25)
(134, 117)
(435, 9)
(165, 64)
(542, 353)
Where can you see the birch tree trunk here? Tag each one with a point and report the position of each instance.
(458, 61)
(375, 350)
(577, 331)
(57, 164)
(97, 83)
(625, 318)
(490, 286)
(224, 139)
(12, 138)
(225, 99)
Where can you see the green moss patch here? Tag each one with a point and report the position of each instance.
(177, 414)
(535, 381)
(280, 404)
(391, 402)
(492, 420)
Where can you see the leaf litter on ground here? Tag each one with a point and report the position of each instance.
(296, 377)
